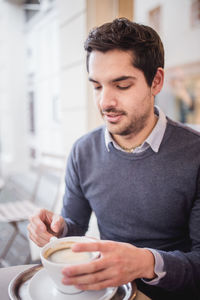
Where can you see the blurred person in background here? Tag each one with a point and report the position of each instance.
(183, 97)
(140, 174)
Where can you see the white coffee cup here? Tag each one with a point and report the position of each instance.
(57, 254)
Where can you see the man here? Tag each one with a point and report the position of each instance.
(139, 174)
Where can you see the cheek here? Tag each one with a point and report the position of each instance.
(138, 102)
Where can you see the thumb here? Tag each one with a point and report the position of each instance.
(56, 224)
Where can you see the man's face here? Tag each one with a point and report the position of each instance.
(123, 97)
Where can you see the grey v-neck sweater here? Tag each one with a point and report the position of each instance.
(148, 199)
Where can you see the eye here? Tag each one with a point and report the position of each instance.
(97, 87)
(123, 87)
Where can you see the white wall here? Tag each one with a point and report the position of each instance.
(72, 18)
(13, 108)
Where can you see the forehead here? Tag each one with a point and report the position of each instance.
(110, 60)
(106, 66)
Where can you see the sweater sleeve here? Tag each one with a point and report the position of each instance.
(76, 209)
(183, 268)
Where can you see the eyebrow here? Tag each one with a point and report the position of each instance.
(121, 78)
(92, 80)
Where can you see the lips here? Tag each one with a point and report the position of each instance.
(113, 118)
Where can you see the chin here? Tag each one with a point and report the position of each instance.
(112, 128)
(115, 131)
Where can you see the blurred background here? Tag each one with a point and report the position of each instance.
(46, 101)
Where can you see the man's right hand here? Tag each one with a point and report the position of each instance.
(44, 225)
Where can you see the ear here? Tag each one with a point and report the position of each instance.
(158, 81)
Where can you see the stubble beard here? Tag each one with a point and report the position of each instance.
(135, 126)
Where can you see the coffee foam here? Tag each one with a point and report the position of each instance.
(59, 246)
(62, 253)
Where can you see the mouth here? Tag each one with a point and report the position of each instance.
(113, 117)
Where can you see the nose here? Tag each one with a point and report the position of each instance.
(107, 98)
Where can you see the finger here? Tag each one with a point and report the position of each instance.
(97, 286)
(44, 235)
(91, 267)
(93, 246)
(43, 220)
(40, 239)
(37, 226)
(38, 223)
(46, 217)
(36, 231)
(90, 278)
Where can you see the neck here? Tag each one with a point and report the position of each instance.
(132, 141)
(131, 149)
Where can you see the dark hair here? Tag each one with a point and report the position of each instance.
(122, 34)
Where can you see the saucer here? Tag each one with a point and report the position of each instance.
(41, 287)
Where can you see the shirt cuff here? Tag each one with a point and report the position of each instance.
(158, 269)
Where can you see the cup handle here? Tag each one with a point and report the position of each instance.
(53, 238)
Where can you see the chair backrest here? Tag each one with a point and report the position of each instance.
(19, 186)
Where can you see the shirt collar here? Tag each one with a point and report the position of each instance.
(153, 140)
